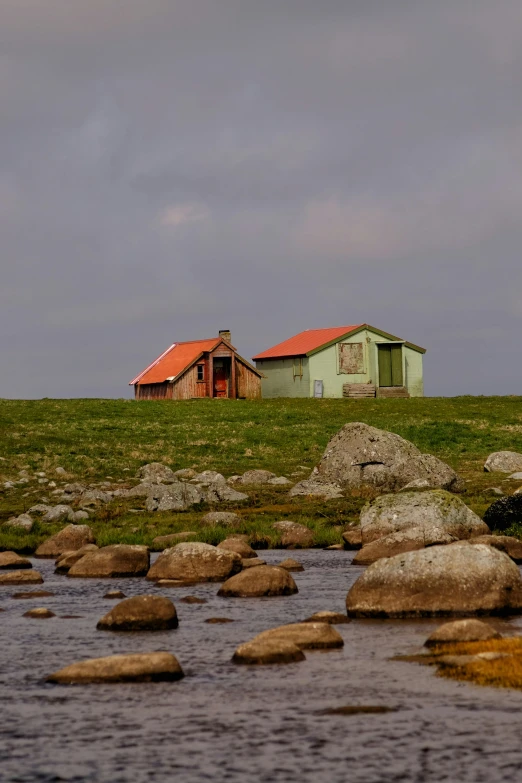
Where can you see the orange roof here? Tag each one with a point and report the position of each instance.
(304, 342)
(174, 360)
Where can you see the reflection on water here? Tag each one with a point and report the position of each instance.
(239, 723)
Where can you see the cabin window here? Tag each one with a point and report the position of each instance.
(298, 367)
(201, 372)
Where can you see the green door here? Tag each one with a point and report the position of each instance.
(390, 365)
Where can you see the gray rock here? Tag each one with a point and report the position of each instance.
(453, 579)
(185, 474)
(403, 541)
(493, 491)
(469, 630)
(252, 477)
(142, 490)
(221, 493)
(221, 519)
(8, 484)
(294, 535)
(75, 488)
(416, 484)
(279, 481)
(208, 477)
(60, 471)
(157, 473)
(78, 516)
(173, 497)
(93, 497)
(433, 509)
(360, 455)
(136, 667)
(23, 522)
(503, 462)
(314, 488)
(193, 562)
(57, 513)
(516, 476)
(40, 509)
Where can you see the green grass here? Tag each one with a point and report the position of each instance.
(96, 440)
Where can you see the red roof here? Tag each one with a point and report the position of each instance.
(306, 341)
(174, 360)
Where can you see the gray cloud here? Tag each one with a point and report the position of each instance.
(170, 168)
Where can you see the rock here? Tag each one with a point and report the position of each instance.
(69, 539)
(60, 471)
(222, 493)
(193, 599)
(266, 651)
(33, 594)
(185, 474)
(453, 579)
(504, 512)
(352, 538)
(252, 477)
(402, 541)
(334, 547)
(114, 594)
(8, 484)
(13, 560)
(253, 562)
(294, 535)
(469, 630)
(142, 490)
(231, 480)
(306, 636)
(195, 562)
(279, 481)
(116, 560)
(291, 565)
(221, 519)
(236, 545)
(57, 513)
(40, 509)
(509, 544)
(208, 477)
(137, 667)
(93, 497)
(434, 510)
(39, 614)
(416, 484)
(515, 476)
(493, 491)
(162, 542)
(141, 613)
(503, 462)
(360, 455)
(27, 576)
(312, 488)
(22, 522)
(74, 489)
(333, 618)
(218, 620)
(78, 516)
(173, 497)
(67, 559)
(157, 473)
(254, 582)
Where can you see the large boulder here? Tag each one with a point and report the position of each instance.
(141, 613)
(267, 651)
(360, 455)
(468, 630)
(442, 580)
(504, 512)
(208, 477)
(11, 560)
(294, 535)
(509, 544)
(503, 462)
(157, 473)
(136, 667)
(179, 496)
(221, 519)
(243, 549)
(21, 522)
(425, 511)
(23, 577)
(352, 538)
(69, 539)
(256, 477)
(66, 560)
(195, 562)
(57, 513)
(116, 560)
(255, 582)
(306, 636)
(220, 492)
(402, 541)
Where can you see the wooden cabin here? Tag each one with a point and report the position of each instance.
(200, 368)
(342, 361)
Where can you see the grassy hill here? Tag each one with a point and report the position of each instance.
(108, 440)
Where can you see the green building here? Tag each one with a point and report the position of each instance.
(343, 361)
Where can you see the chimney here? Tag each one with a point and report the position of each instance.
(225, 335)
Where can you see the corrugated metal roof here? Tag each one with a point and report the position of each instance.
(306, 341)
(174, 360)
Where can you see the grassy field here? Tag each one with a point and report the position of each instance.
(108, 440)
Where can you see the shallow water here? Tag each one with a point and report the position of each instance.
(239, 723)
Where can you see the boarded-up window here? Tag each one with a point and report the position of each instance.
(298, 367)
(351, 358)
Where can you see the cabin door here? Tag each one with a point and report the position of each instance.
(221, 377)
(390, 365)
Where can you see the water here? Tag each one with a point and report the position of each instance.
(239, 723)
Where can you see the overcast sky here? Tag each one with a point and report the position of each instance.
(170, 168)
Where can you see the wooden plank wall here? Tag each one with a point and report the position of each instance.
(248, 383)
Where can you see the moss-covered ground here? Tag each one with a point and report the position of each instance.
(108, 440)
